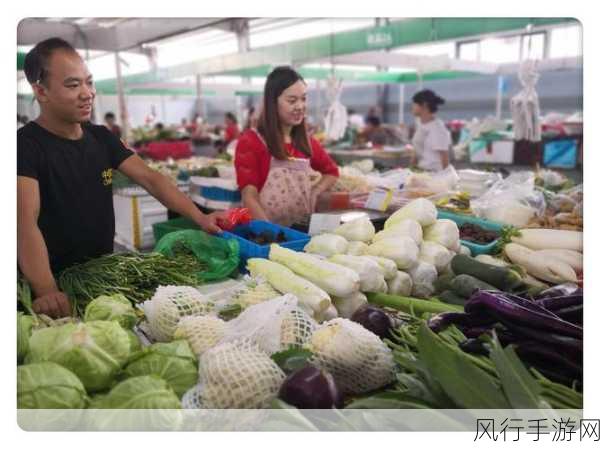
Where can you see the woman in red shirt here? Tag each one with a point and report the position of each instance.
(273, 162)
(232, 131)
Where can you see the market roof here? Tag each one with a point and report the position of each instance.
(110, 34)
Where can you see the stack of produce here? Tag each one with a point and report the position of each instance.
(85, 364)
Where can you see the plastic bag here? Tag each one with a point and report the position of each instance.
(235, 217)
(221, 256)
(432, 183)
(513, 201)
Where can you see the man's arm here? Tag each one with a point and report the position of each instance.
(32, 253)
(444, 159)
(161, 188)
(250, 199)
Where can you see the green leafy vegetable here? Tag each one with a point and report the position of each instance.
(174, 362)
(111, 308)
(94, 351)
(47, 385)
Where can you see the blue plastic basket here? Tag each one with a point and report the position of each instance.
(485, 224)
(561, 153)
(220, 194)
(295, 240)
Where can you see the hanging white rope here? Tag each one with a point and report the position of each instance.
(336, 119)
(525, 106)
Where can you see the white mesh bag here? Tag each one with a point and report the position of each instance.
(201, 332)
(168, 305)
(271, 325)
(234, 376)
(357, 359)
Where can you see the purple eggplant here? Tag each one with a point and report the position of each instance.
(559, 302)
(465, 320)
(373, 319)
(572, 314)
(310, 388)
(552, 340)
(538, 354)
(506, 309)
(528, 304)
(567, 289)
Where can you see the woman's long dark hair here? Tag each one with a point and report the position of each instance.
(429, 98)
(269, 123)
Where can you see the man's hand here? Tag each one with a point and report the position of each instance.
(55, 305)
(209, 222)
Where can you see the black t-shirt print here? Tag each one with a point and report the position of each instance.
(77, 217)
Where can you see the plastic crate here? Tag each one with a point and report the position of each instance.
(475, 248)
(176, 224)
(219, 194)
(295, 240)
(561, 153)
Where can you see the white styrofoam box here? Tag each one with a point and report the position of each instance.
(135, 213)
(211, 204)
(226, 171)
(226, 184)
(502, 152)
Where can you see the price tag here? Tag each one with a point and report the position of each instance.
(379, 200)
(321, 223)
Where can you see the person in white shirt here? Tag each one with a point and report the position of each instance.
(431, 141)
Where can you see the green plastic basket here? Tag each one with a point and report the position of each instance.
(176, 224)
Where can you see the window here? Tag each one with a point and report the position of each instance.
(469, 51)
(533, 46)
(438, 49)
(566, 42)
(201, 45)
(265, 32)
(500, 50)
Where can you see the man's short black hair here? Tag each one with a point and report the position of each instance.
(109, 116)
(373, 120)
(35, 65)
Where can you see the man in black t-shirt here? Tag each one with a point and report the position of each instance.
(64, 177)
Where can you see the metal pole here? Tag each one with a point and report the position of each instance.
(499, 97)
(199, 110)
(121, 99)
(401, 105)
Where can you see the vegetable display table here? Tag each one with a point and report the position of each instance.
(163, 150)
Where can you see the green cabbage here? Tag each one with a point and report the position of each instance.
(47, 385)
(94, 351)
(141, 392)
(174, 362)
(135, 344)
(111, 308)
(24, 325)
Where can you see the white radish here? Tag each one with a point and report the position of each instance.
(540, 266)
(550, 239)
(573, 258)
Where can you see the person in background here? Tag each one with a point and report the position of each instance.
(273, 162)
(252, 119)
(356, 121)
(232, 130)
(111, 124)
(374, 132)
(65, 212)
(431, 141)
(184, 127)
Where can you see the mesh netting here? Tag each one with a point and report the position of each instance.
(236, 377)
(201, 332)
(168, 305)
(357, 359)
(296, 328)
(271, 325)
(221, 256)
